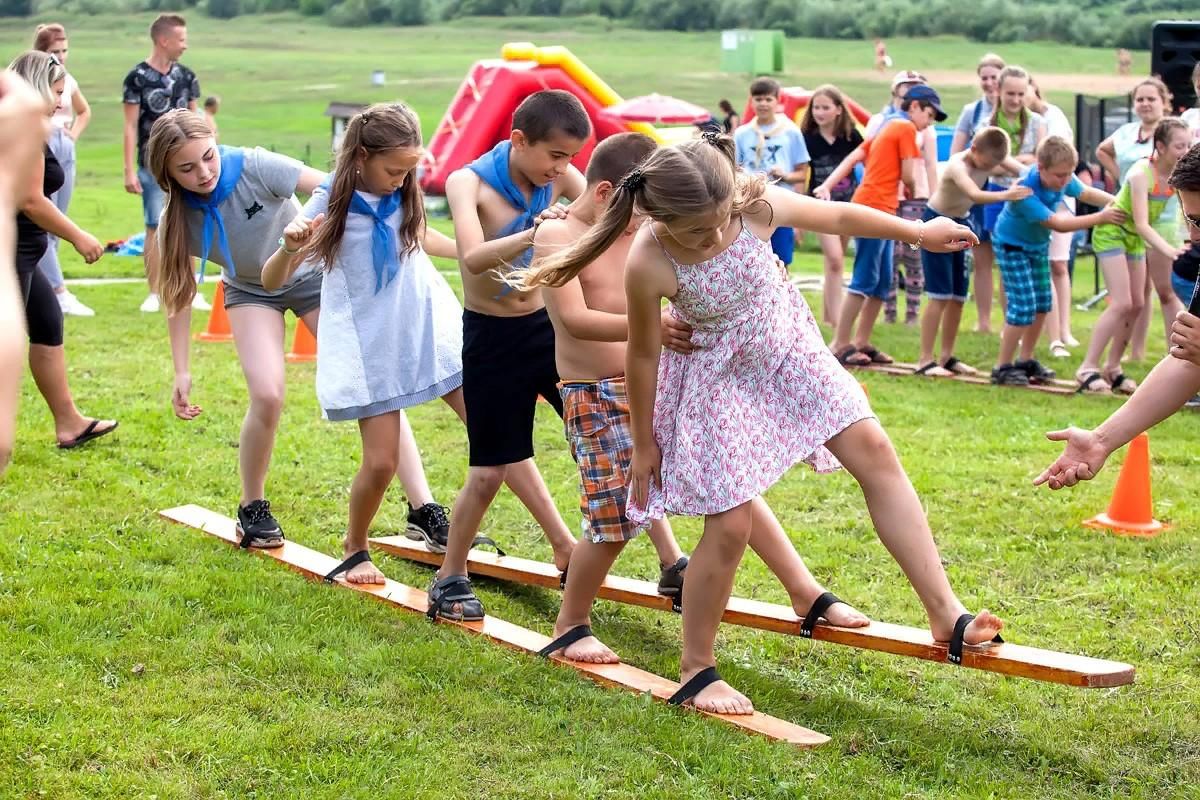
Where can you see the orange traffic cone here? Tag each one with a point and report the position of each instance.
(1131, 509)
(218, 323)
(304, 345)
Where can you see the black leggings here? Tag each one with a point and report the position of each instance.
(43, 314)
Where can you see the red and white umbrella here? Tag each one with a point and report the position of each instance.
(659, 109)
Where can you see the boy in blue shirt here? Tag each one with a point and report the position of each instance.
(773, 145)
(1022, 243)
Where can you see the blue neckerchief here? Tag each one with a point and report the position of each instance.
(232, 159)
(385, 251)
(492, 169)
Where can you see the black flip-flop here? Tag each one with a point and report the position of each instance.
(954, 654)
(352, 561)
(699, 682)
(566, 640)
(88, 434)
(815, 612)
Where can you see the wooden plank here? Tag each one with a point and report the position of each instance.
(1056, 386)
(1007, 659)
(315, 565)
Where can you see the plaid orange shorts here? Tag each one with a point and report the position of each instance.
(596, 416)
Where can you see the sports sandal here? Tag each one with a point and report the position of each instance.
(444, 593)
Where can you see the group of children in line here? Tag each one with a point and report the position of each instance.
(561, 303)
(1012, 179)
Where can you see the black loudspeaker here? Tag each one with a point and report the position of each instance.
(1175, 49)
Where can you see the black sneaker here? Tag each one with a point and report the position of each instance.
(1036, 371)
(670, 580)
(429, 523)
(258, 527)
(1009, 375)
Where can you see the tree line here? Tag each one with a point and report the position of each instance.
(1093, 23)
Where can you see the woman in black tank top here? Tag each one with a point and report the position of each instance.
(43, 316)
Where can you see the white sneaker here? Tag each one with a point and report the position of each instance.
(70, 304)
(150, 304)
(200, 304)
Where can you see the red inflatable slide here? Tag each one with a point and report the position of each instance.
(480, 115)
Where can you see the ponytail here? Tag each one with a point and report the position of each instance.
(560, 268)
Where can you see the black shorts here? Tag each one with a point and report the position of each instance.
(507, 363)
(43, 314)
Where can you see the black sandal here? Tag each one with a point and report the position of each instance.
(819, 607)
(562, 580)
(954, 655)
(699, 682)
(444, 593)
(845, 356)
(952, 363)
(566, 640)
(1087, 381)
(352, 561)
(876, 355)
(925, 369)
(670, 583)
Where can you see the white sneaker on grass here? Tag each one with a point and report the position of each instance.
(200, 304)
(150, 304)
(70, 304)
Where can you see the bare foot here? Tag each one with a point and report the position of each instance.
(588, 650)
(363, 573)
(842, 615)
(981, 630)
(719, 698)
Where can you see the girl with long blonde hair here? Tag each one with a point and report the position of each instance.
(714, 429)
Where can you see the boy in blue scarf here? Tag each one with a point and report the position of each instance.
(497, 203)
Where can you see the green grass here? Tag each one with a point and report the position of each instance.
(142, 659)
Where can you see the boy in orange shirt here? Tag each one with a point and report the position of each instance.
(891, 156)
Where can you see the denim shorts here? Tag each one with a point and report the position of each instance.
(945, 273)
(153, 198)
(872, 276)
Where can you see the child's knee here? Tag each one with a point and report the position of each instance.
(485, 481)
(266, 402)
(731, 529)
(380, 463)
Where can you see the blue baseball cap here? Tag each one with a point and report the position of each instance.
(925, 94)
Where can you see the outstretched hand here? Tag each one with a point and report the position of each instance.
(944, 235)
(1080, 461)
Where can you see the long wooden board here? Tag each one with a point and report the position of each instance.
(316, 565)
(1007, 659)
(1056, 386)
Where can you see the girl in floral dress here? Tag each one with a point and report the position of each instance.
(714, 429)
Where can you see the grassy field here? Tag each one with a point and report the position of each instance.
(144, 660)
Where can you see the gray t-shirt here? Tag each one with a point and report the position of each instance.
(255, 214)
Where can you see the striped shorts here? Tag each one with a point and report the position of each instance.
(596, 416)
(1026, 274)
